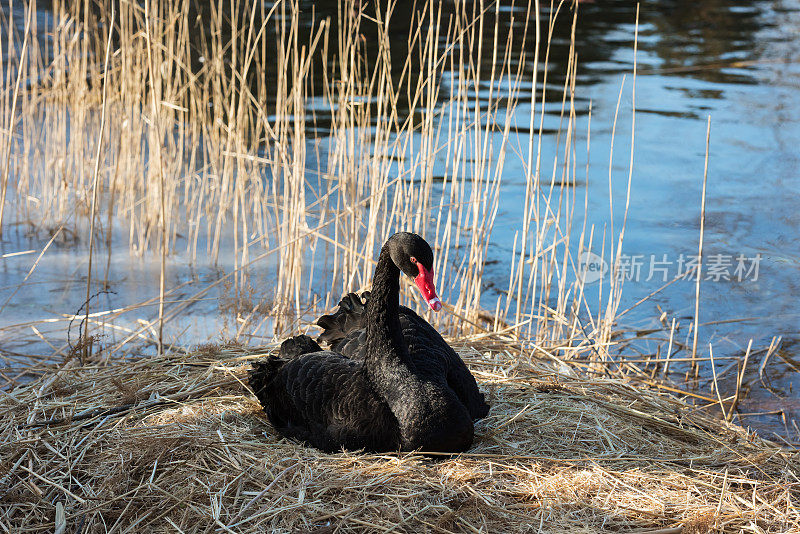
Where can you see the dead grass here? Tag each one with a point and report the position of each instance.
(177, 443)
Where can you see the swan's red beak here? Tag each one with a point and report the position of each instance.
(424, 281)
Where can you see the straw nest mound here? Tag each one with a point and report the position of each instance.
(178, 444)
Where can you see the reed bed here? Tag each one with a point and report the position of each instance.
(296, 145)
(179, 443)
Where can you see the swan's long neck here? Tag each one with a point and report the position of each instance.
(384, 333)
(387, 361)
(426, 414)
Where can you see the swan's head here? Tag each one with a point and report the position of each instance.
(413, 256)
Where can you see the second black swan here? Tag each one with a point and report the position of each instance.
(382, 401)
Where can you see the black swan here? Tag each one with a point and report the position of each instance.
(382, 402)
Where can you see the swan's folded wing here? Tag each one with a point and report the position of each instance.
(344, 330)
(465, 387)
(297, 346)
(348, 317)
(435, 358)
(323, 399)
(354, 346)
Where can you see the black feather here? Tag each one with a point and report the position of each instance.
(298, 345)
(349, 316)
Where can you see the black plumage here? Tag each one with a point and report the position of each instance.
(326, 400)
(345, 332)
(381, 400)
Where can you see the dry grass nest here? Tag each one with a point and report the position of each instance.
(179, 444)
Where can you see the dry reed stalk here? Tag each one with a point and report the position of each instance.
(739, 378)
(86, 342)
(695, 367)
(13, 112)
(665, 372)
(616, 281)
(716, 386)
(156, 105)
(774, 343)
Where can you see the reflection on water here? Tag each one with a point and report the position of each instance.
(738, 63)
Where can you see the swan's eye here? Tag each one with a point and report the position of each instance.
(413, 260)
